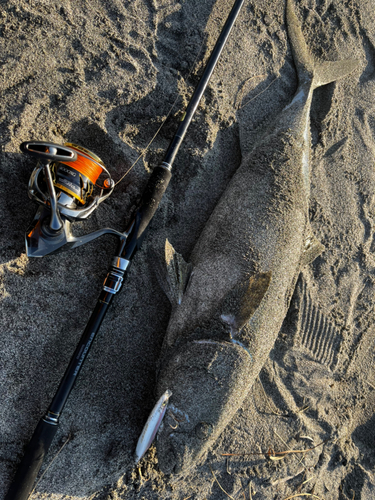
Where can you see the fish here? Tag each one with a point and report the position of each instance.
(151, 426)
(229, 301)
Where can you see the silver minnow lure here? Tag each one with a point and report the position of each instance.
(152, 425)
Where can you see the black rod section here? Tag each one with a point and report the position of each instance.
(161, 174)
(79, 356)
(201, 87)
(46, 429)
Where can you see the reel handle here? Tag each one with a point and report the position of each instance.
(48, 151)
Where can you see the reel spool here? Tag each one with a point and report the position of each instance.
(69, 182)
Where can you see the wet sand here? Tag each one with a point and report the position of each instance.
(105, 75)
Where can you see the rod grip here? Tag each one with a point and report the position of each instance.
(32, 461)
(152, 195)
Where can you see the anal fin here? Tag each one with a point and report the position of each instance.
(312, 249)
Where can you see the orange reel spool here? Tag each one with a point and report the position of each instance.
(89, 168)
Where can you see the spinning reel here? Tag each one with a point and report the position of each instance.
(69, 182)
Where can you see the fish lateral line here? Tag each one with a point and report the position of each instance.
(232, 341)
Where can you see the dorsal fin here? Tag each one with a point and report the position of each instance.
(244, 299)
(313, 329)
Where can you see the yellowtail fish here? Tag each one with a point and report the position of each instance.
(230, 301)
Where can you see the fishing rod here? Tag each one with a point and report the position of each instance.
(66, 193)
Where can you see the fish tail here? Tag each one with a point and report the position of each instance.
(320, 73)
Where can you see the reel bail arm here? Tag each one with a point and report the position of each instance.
(46, 152)
(55, 223)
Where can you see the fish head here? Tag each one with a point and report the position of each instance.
(209, 381)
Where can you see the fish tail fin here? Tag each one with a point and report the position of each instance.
(307, 68)
(328, 71)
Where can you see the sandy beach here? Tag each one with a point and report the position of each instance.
(105, 74)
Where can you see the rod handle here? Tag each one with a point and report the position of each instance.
(32, 461)
(152, 195)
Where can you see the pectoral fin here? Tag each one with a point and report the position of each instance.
(173, 274)
(244, 299)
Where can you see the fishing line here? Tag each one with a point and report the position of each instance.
(260, 93)
(166, 118)
(51, 462)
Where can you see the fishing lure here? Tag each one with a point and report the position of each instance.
(152, 426)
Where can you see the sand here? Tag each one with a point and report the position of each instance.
(104, 75)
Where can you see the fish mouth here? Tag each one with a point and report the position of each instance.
(209, 381)
(170, 461)
(175, 456)
(181, 442)
(168, 458)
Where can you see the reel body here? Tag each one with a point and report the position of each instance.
(67, 184)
